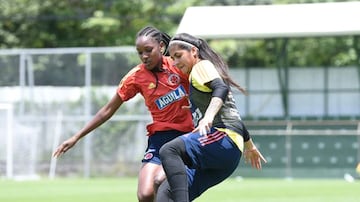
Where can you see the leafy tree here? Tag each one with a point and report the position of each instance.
(92, 23)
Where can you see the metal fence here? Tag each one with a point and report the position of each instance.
(46, 95)
(306, 148)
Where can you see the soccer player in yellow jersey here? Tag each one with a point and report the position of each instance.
(209, 154)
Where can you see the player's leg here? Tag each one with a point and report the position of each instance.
(213, 158)
(214, 163)
(159, 178)
(149, 172)
(204, 179)
(152, 174)
(164, 193)
(173, 157)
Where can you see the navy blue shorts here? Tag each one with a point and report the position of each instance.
(214, 158)
(155, 142)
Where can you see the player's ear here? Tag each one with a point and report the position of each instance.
(195, 51)
(162, 47)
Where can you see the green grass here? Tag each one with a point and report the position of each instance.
(232, 190)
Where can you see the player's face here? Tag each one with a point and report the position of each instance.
(183, 59)
(149, 52)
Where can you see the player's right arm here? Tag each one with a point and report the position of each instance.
(100, 117)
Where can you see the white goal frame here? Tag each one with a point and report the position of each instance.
(8, 108)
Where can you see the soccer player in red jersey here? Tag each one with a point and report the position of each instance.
(165, 90)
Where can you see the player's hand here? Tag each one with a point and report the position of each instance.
(203, 127)
(254, 156)
(65, 146)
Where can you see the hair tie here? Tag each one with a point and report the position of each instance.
(181, 42)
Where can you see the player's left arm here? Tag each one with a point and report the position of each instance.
(253, 155)
(206, 76)
(219, 94)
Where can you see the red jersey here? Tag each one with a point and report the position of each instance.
(165, 94)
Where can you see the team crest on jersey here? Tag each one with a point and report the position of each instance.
(171, 97)
(174, 79)
(148, 156)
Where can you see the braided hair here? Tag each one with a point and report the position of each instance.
(156, 34)
(159, 36)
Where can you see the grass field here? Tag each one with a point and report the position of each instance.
(232, 190)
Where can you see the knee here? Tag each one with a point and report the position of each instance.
(158, 180)
(170, 148)
(164, 150)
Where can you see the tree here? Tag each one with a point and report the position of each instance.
(75, 23)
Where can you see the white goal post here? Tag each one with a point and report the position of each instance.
(8, 124)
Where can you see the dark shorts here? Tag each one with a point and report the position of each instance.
(155, 142)
(214, 158)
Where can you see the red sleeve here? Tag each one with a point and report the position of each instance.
(128, 88)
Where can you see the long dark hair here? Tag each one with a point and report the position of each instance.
(207, 53)
(158, 35)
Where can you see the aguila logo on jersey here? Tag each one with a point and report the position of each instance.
(171, 97)
(174, 79)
